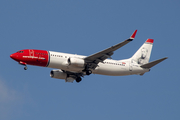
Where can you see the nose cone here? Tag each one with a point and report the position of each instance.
(13, 56)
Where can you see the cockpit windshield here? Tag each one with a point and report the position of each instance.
(20, 51)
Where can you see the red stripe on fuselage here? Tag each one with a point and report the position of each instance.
(32, 57)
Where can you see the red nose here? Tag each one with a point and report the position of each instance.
(13, 56)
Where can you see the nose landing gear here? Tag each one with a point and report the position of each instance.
(25, 68)
(24, 64)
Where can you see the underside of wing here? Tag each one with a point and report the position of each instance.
(67, 75)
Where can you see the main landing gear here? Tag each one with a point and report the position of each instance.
(88, 72)
(78, 79)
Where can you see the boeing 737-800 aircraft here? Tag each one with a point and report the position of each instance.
(73, 67)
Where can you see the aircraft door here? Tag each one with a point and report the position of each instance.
(131, 65)
(31, 53)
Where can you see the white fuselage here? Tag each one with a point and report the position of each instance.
(72, 67)
(109, 67)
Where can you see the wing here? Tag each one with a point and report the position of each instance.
(94, 59)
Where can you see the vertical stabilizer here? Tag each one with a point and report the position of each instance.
(142, 56)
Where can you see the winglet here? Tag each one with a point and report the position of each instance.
(133, 35)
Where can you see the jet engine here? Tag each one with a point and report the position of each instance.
(59, 74)
(76, 62)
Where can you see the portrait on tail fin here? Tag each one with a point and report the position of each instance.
(143, 58)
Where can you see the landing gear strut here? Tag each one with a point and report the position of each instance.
(24, 64)
(78, 79)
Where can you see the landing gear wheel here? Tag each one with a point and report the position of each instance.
(25, 68)
(88, 72)
(78, 79)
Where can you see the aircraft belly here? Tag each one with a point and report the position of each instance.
(138, 70)
(112, 70)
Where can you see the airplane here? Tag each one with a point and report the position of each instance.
(72, 67)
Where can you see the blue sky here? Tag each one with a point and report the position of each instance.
(86, 27)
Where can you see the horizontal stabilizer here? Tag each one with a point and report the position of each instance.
(151, 64)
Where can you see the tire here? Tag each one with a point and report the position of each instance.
(25, 68)
(78, 79)
(88, 72)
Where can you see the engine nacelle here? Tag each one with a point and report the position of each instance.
(58, 74)
(76, 62)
